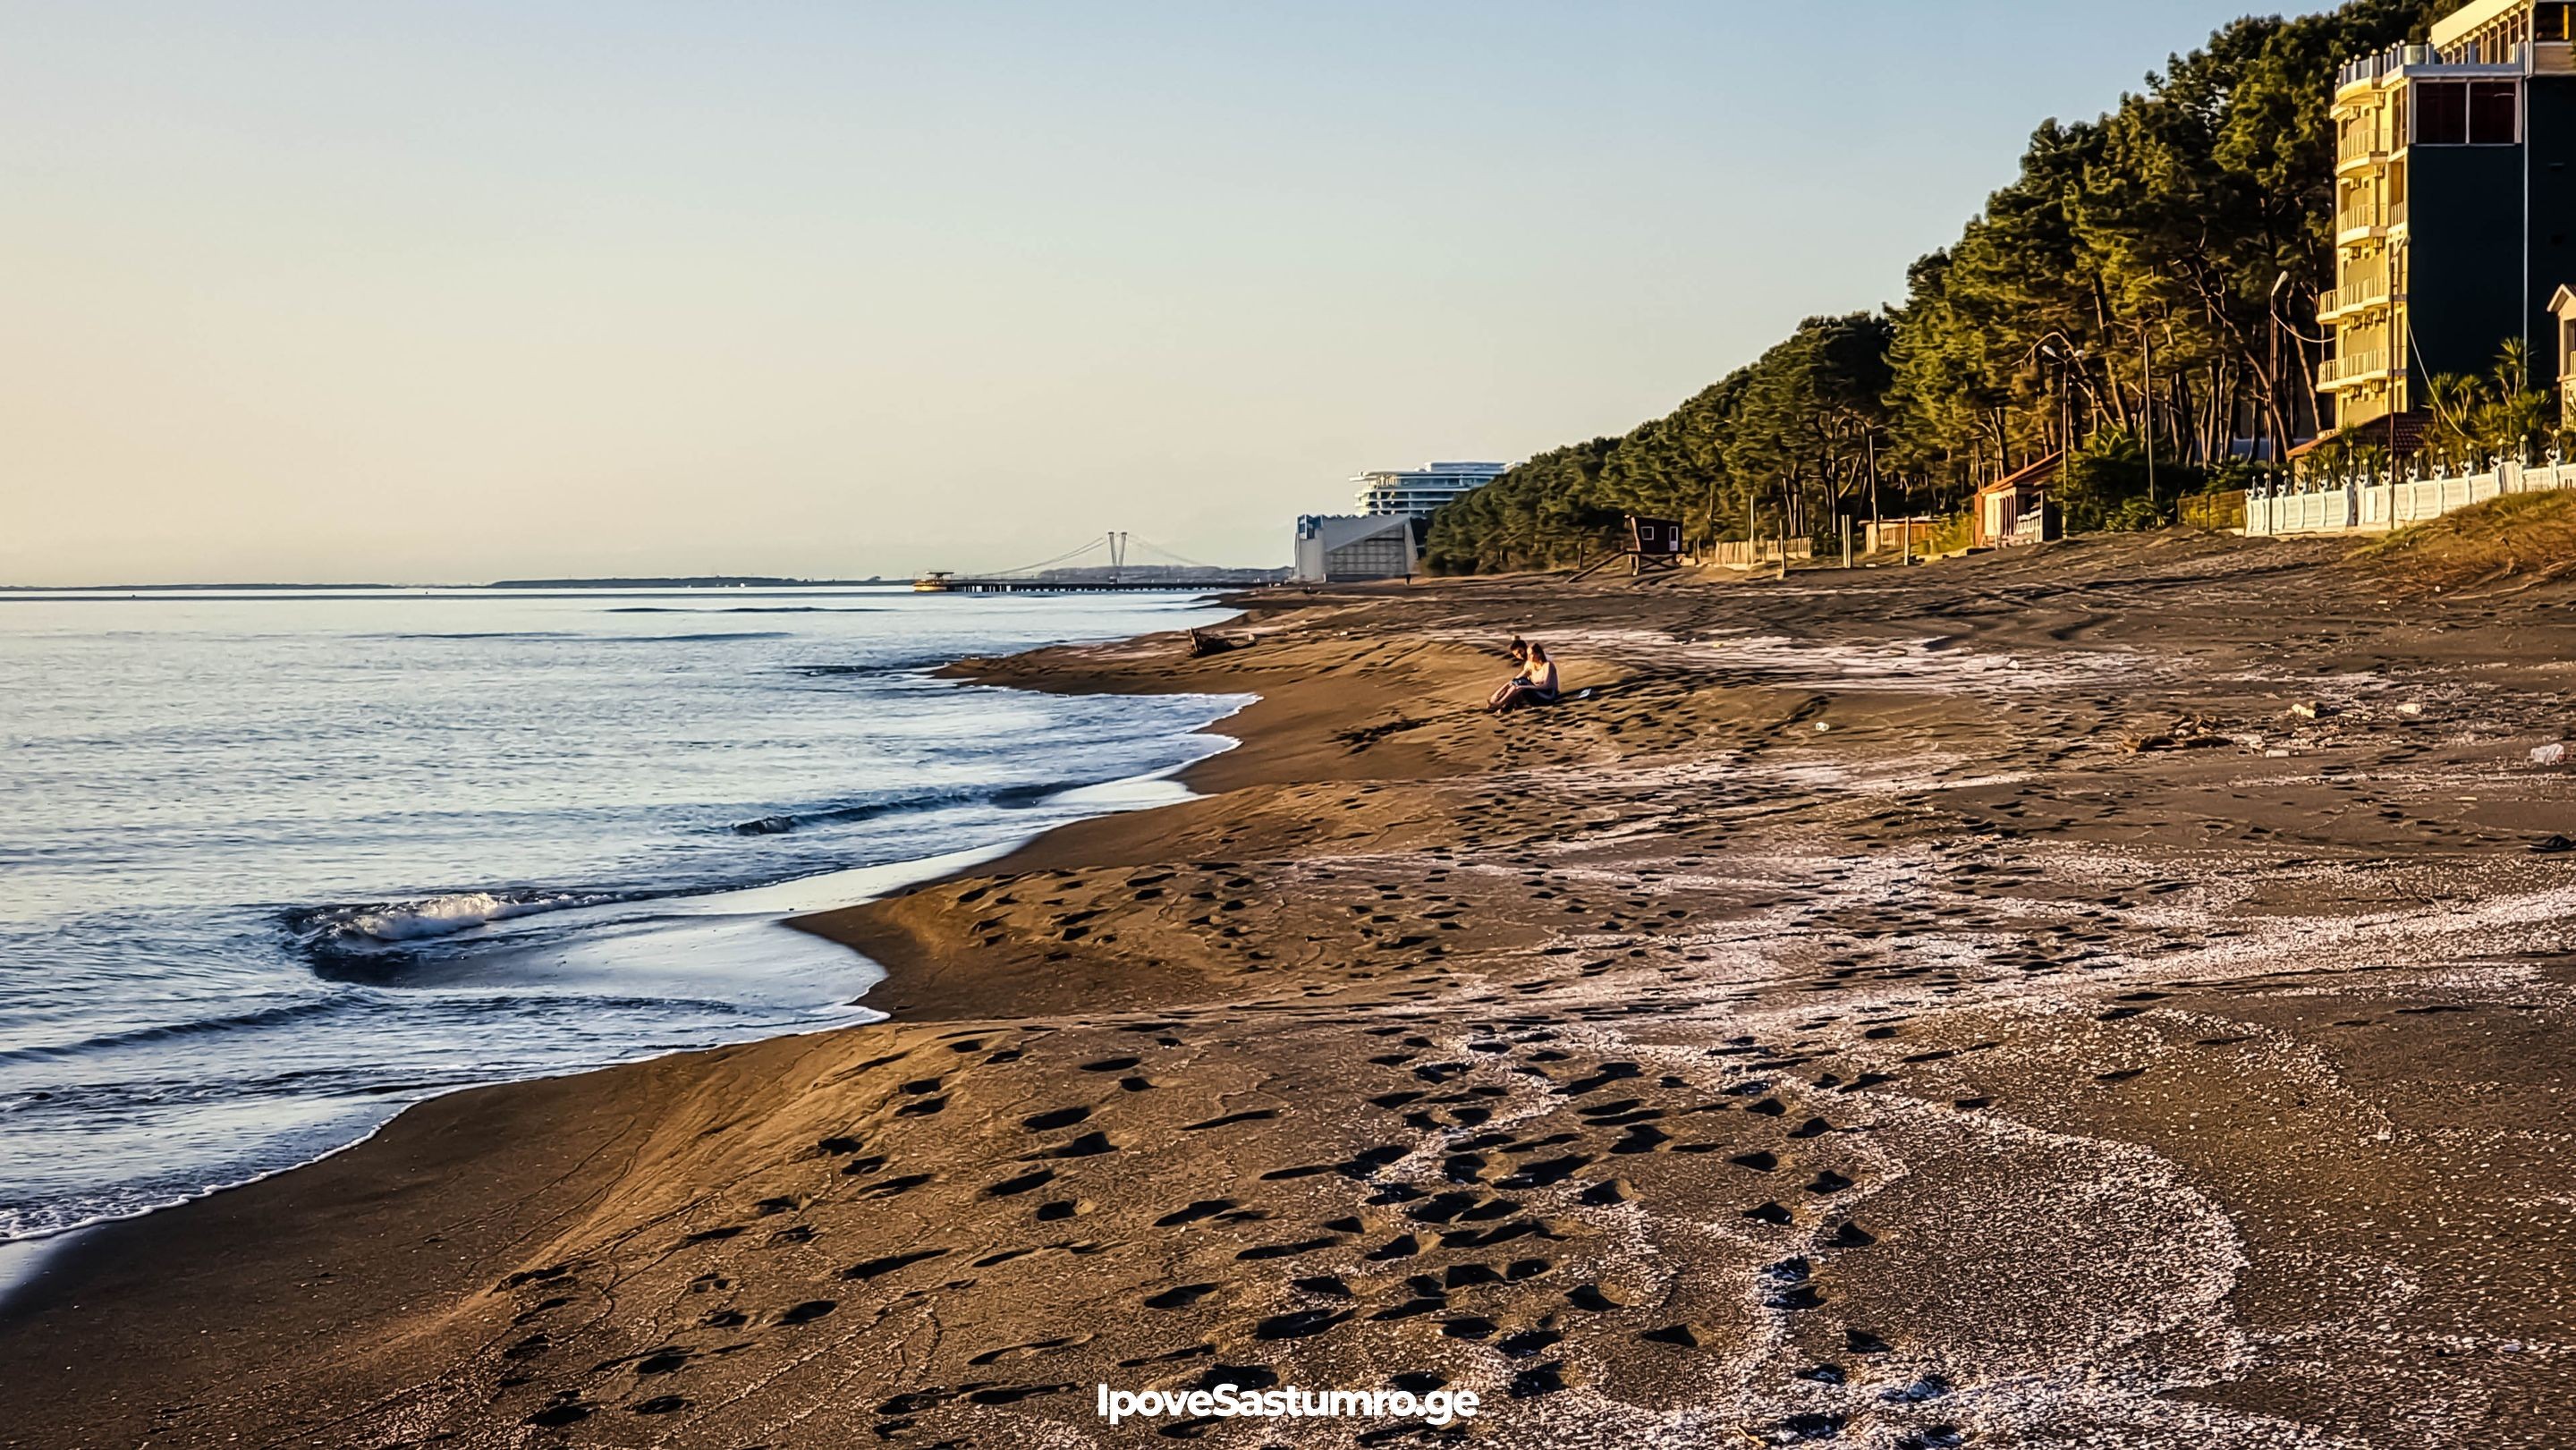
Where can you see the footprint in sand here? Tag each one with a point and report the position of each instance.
(1022, 1184)
(1299, 1323)
(879, 1267)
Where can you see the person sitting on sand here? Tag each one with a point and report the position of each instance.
(1518, 649)
(1536, 684)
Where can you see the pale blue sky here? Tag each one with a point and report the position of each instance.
(464, 291)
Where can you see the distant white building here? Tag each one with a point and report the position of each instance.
(1415, 492)
(1347, 548)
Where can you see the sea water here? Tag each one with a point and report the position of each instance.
(275, 863)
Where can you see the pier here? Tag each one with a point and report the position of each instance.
(1100, 565)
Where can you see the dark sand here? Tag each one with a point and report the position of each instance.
(1960, 1006)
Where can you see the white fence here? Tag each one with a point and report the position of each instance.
(2368, 506)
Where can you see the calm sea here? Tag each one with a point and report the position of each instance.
(274, 865)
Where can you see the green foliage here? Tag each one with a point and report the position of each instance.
(1803, 422)
(2233, 475)
(2477, 418)
(2101, 480)
(2123, 285)
(2107, 484)
(2137, 515)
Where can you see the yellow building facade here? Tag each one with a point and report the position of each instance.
(2363, 375)
(2432, 187)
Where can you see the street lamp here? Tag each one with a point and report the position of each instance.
(2066, 361)
(2147, 397)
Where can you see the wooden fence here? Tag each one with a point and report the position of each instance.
(1741, 555)
(2214, 510)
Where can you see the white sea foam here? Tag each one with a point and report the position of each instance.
(1944, 665)
(446, 915)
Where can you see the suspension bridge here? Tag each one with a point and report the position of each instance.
(1116, 560)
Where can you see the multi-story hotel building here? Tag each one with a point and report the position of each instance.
(1415, 492)
(2455, 209)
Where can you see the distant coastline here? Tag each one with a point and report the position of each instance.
(176, 588)
(700, 581)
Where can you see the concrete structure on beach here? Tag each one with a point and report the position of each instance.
(1352, 548)
(2455, 210)
(1417, 492)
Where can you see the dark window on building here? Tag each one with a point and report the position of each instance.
(2493, 118)
(2549, 21)
(2441, 113)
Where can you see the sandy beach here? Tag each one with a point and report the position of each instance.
(2106, 995)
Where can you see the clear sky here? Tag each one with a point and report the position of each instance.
(471, 290)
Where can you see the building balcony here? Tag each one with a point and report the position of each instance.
(2352, 298)
(2357, 154)
(2362, 223)
(2423, 62)
(2353, 369)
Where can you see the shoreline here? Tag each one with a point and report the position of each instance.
(1854, 983)
(789, 902)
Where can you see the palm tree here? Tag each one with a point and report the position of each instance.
(2513, 366)
(2455, 401)
(2517, 413)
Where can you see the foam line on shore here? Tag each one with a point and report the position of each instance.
(762, 914)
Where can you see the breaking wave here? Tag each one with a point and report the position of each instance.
(394, 922)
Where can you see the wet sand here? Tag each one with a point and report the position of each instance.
(2107, 996)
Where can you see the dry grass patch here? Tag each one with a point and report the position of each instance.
(2516, 541)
